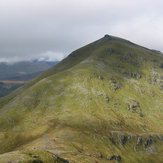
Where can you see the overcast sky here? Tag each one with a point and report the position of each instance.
(53, 28)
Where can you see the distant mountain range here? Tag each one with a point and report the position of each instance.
(15, 75)
(25, 70)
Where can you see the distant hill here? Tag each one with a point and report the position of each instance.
(23, 70)
(20, 72)
(101, 104)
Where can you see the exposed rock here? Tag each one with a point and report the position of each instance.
(98, 155)
(108, 37)
(35, 156)
(139, 141)
(133, 105)
(115, 157)
(135, 75)
(37, 161)
(115, 85)
(129, 137)
(111, 157)
(60, 160)
(148, 142)
(123, 139)
(151, 150)
(156, 79)
(120, 139)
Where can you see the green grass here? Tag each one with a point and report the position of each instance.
(73, 109)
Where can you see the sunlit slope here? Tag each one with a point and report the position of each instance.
(98, 102)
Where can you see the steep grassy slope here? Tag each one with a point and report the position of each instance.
(104, 99)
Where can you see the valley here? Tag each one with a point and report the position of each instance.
(15, 75)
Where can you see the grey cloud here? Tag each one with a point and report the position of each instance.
(48, 28)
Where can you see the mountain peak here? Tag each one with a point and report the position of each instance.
(107, 37)
(110, 90)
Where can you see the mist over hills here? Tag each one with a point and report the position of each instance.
(103, 103)
(14, 75)
(22, 70)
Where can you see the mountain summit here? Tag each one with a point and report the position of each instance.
(102, 103)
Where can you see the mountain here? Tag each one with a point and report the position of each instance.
(23, 70)
(103, 103)
(6, 87)
(15, 75)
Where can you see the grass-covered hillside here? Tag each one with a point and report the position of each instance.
(103, 103)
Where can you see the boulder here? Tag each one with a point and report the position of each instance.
(133, 105)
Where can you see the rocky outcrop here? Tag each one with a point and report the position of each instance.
(133, 105)
(135, 75)
(115, 85)
(148, 142)
(156, 79)
(143, 140)
(123, 139)
(58, 159)
(119, 138)
(139, 140)
(115, 157)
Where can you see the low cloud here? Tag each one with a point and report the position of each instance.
(52, 29)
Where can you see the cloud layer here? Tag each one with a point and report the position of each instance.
(47, 28)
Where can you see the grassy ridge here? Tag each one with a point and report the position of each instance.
(80, 109)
